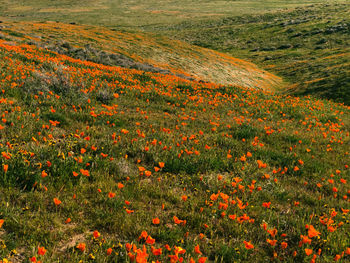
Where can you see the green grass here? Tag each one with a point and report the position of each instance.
(162, 118)
(228, 149)
(304, 42)
(127, 14)
(307, 46)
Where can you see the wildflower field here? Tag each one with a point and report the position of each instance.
(108, 164)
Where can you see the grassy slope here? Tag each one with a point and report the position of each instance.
(82, 132)
(305, 46)
(127, 14)
(176, 56)
(308, 47)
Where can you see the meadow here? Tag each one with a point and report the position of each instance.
(108, 164)
(119, 144)
(309, 47)
(305, 42)
(133, 14)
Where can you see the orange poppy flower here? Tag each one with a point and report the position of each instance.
(284, 245)
(248, 245)
(43, 174)
(41, 251)
(57, 201)
(109, 251)
(261, 164)
(308, 251)
(312, 232)
(271, 242)
(156, 221)
(150, 240)
(197, 250)
(96, 234)
(266, 205)
(81, 247)
(232, 217)
(111, 194)
(156, 252)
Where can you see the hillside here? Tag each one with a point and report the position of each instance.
(305, 42)
(109, 164)
(309, 47)
(140, 51)
(137, 13)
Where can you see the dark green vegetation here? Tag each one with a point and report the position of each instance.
(308, 46)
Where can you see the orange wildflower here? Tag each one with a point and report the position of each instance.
(84, 172)
(57, 201)
(81, 247)
(155, 221)
(308, 251)
(96, 234)
(266, 205)
(156, 252)
(41, 251)
(111, 194)
(312, 232)
(248, 245)
(150, 240)
(197, 250)
(109, 251)
(43, 174)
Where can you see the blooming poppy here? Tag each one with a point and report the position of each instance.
(308, 251)
(156, 221)
(111, 194)
(81, 247)
(96, 234)
(312, 232)
(248, 245)
(197, 250)
(41, 251)
(57, 201)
